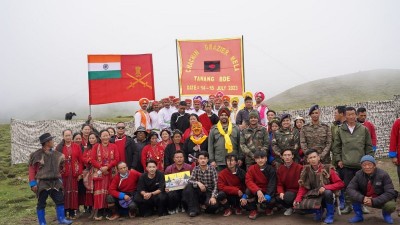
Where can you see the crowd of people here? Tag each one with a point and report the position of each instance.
(241, 158)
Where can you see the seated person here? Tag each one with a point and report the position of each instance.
(231, 186)
(122, 190)
(288, 181)
(175, 197)
(318, 182)
(202, 187)
(261, 185)
(150, 190)
(372, 187)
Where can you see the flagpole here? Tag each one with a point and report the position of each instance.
(177, 66)
(244, 80)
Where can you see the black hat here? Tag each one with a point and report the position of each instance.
(140, 129)
(314, 107)
(45, 138)
(260, 154)
(284, 116)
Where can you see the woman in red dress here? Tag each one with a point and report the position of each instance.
(104, 158)
(85, 131)
(153, 151)
(72, 172)
(87, 162)
(165, 138)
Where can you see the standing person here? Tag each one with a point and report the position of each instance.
(142, 117)
(211, 99)
(123, 190)
(201, 188)
(232, 186)
(195, 144)
(373, 187)
(234, 109)
(352, 142)
(217, 105)
(242, 117)
(175, 103)
(165, 138)
(318, 183)
(362, 118)
(151, 191)
(286, 138)
(85, 131)
(288, 175)
(226, 101)
(188, 105)
(136, 149)
(112, 132)
(175, 197)
(153, 151)
(317, 135)
(299, 123)
(197, 107)
(253, 138)
(208, 119)
(45, 166)
(164, 115)
(104, 158)
(273, 126)
(77, 138)
(188, 132)
(155, 121)
(261, 185)
(270, 114)
(224, 138)
(87, 162)
(394, 147)
(261, 107)
(72, 172)
(122, 141)
(180, 119)
(170, 150)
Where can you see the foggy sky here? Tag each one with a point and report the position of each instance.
(44, 45)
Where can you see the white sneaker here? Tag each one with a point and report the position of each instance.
(288, 212)
(171, 212)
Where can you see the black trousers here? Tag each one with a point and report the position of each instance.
(252, 201)
(288, 199)
(328, 197)
(193, 197)
(146, 205)
(175, 199)
(56, 195)
(233, 200)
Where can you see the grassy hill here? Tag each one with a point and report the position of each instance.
(363, 86)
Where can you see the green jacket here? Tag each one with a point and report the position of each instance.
(252, 140)
(350, 148)
(216, 144)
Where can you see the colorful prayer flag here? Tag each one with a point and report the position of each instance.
(120, 78)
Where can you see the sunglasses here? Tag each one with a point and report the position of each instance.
(121, 128)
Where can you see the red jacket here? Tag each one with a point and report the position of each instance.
(256, 180)
(394, 146)
(335, 185)
(371, 128)
(288, 178)
(119, 188)
(230, 183)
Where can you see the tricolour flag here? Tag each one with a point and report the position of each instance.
(120, 78)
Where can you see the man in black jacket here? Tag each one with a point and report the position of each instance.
(180, 119)
(372, 187)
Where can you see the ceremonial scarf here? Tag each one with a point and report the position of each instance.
(228, 142)
(198, 141)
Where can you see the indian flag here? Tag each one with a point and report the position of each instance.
(104, 67)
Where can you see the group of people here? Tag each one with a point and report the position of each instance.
(239, 157)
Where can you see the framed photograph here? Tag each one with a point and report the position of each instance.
(177, 181)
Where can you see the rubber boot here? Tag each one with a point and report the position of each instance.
(342, 202)
(330, 211)
(41, 216)
(359, 214)
(318, 214)
(61, 216)
(387, 217)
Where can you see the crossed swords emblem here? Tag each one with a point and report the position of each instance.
(139, 80)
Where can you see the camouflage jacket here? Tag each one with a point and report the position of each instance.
(252, 140)
(285, 139)
(318, 137)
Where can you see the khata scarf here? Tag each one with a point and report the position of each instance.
(228, 142)
(198, 141)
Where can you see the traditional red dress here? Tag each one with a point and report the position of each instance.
(103, 156)
(153, 152)
(164, 144)
(121, 142)
(72, 169)
(87, 162)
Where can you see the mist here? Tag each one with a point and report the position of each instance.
(286, 43)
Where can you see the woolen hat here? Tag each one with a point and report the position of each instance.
(45, 138)
(367, 158)
(254, 113)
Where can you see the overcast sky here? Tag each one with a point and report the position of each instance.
(44, 44)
